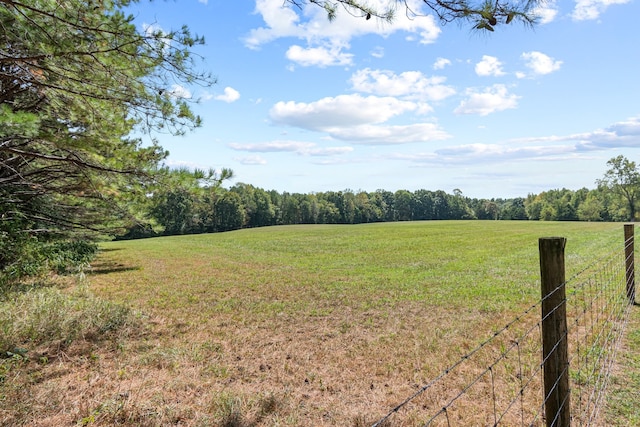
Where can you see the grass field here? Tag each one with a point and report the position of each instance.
(297, 325)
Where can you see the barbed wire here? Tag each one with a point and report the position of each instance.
(597, 312)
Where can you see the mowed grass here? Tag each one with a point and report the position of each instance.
(304, 325)
(316, 270)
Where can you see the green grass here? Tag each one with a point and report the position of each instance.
(438, 263)
(335, 324)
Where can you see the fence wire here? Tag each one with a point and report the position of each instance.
(500, 382)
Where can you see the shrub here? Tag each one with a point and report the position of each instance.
(69, 256)
(29, 256)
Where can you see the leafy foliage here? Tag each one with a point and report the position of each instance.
(623, 179)
(180, 211)
(76, 79)
(31, 257)
(188, 203)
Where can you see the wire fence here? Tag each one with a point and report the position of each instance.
(502, 380)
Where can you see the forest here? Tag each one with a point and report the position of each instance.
(194, 204)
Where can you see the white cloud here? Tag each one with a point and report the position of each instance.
(206, 96)
(489, 66)
(441, 63)
(626, 128)
(624, 134)
(361, 119)
(230, 95)
(251, 160)
(378, 52)
(501, 152)
(281, 22)
(473, 154)
(492, 99)
(311, 24)
(273, 146)
(546, 12)
(323, 56)
(203, 1)
(409, 84)
(179, 91)
(329, 151)
(539, 63)
(340, 111)
(151, 29)
(591, 9)
(297, 147)
(387, 135)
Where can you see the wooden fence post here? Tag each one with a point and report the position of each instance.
(629, 262)
(555, 353)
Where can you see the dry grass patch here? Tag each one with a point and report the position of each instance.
(622, 407)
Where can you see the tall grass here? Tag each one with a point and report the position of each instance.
(43, 327)
(47, 315)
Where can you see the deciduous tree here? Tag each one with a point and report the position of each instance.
(623, 179)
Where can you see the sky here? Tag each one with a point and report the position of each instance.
(305, 105)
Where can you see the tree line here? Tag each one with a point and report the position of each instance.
(197, 203)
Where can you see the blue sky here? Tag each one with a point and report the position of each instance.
(305, 105)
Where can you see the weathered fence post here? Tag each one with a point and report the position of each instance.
(555, 354)
(629, 262)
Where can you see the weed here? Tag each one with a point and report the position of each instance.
(227, 409)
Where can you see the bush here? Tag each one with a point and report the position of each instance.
(69, 256)
(29, 256)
